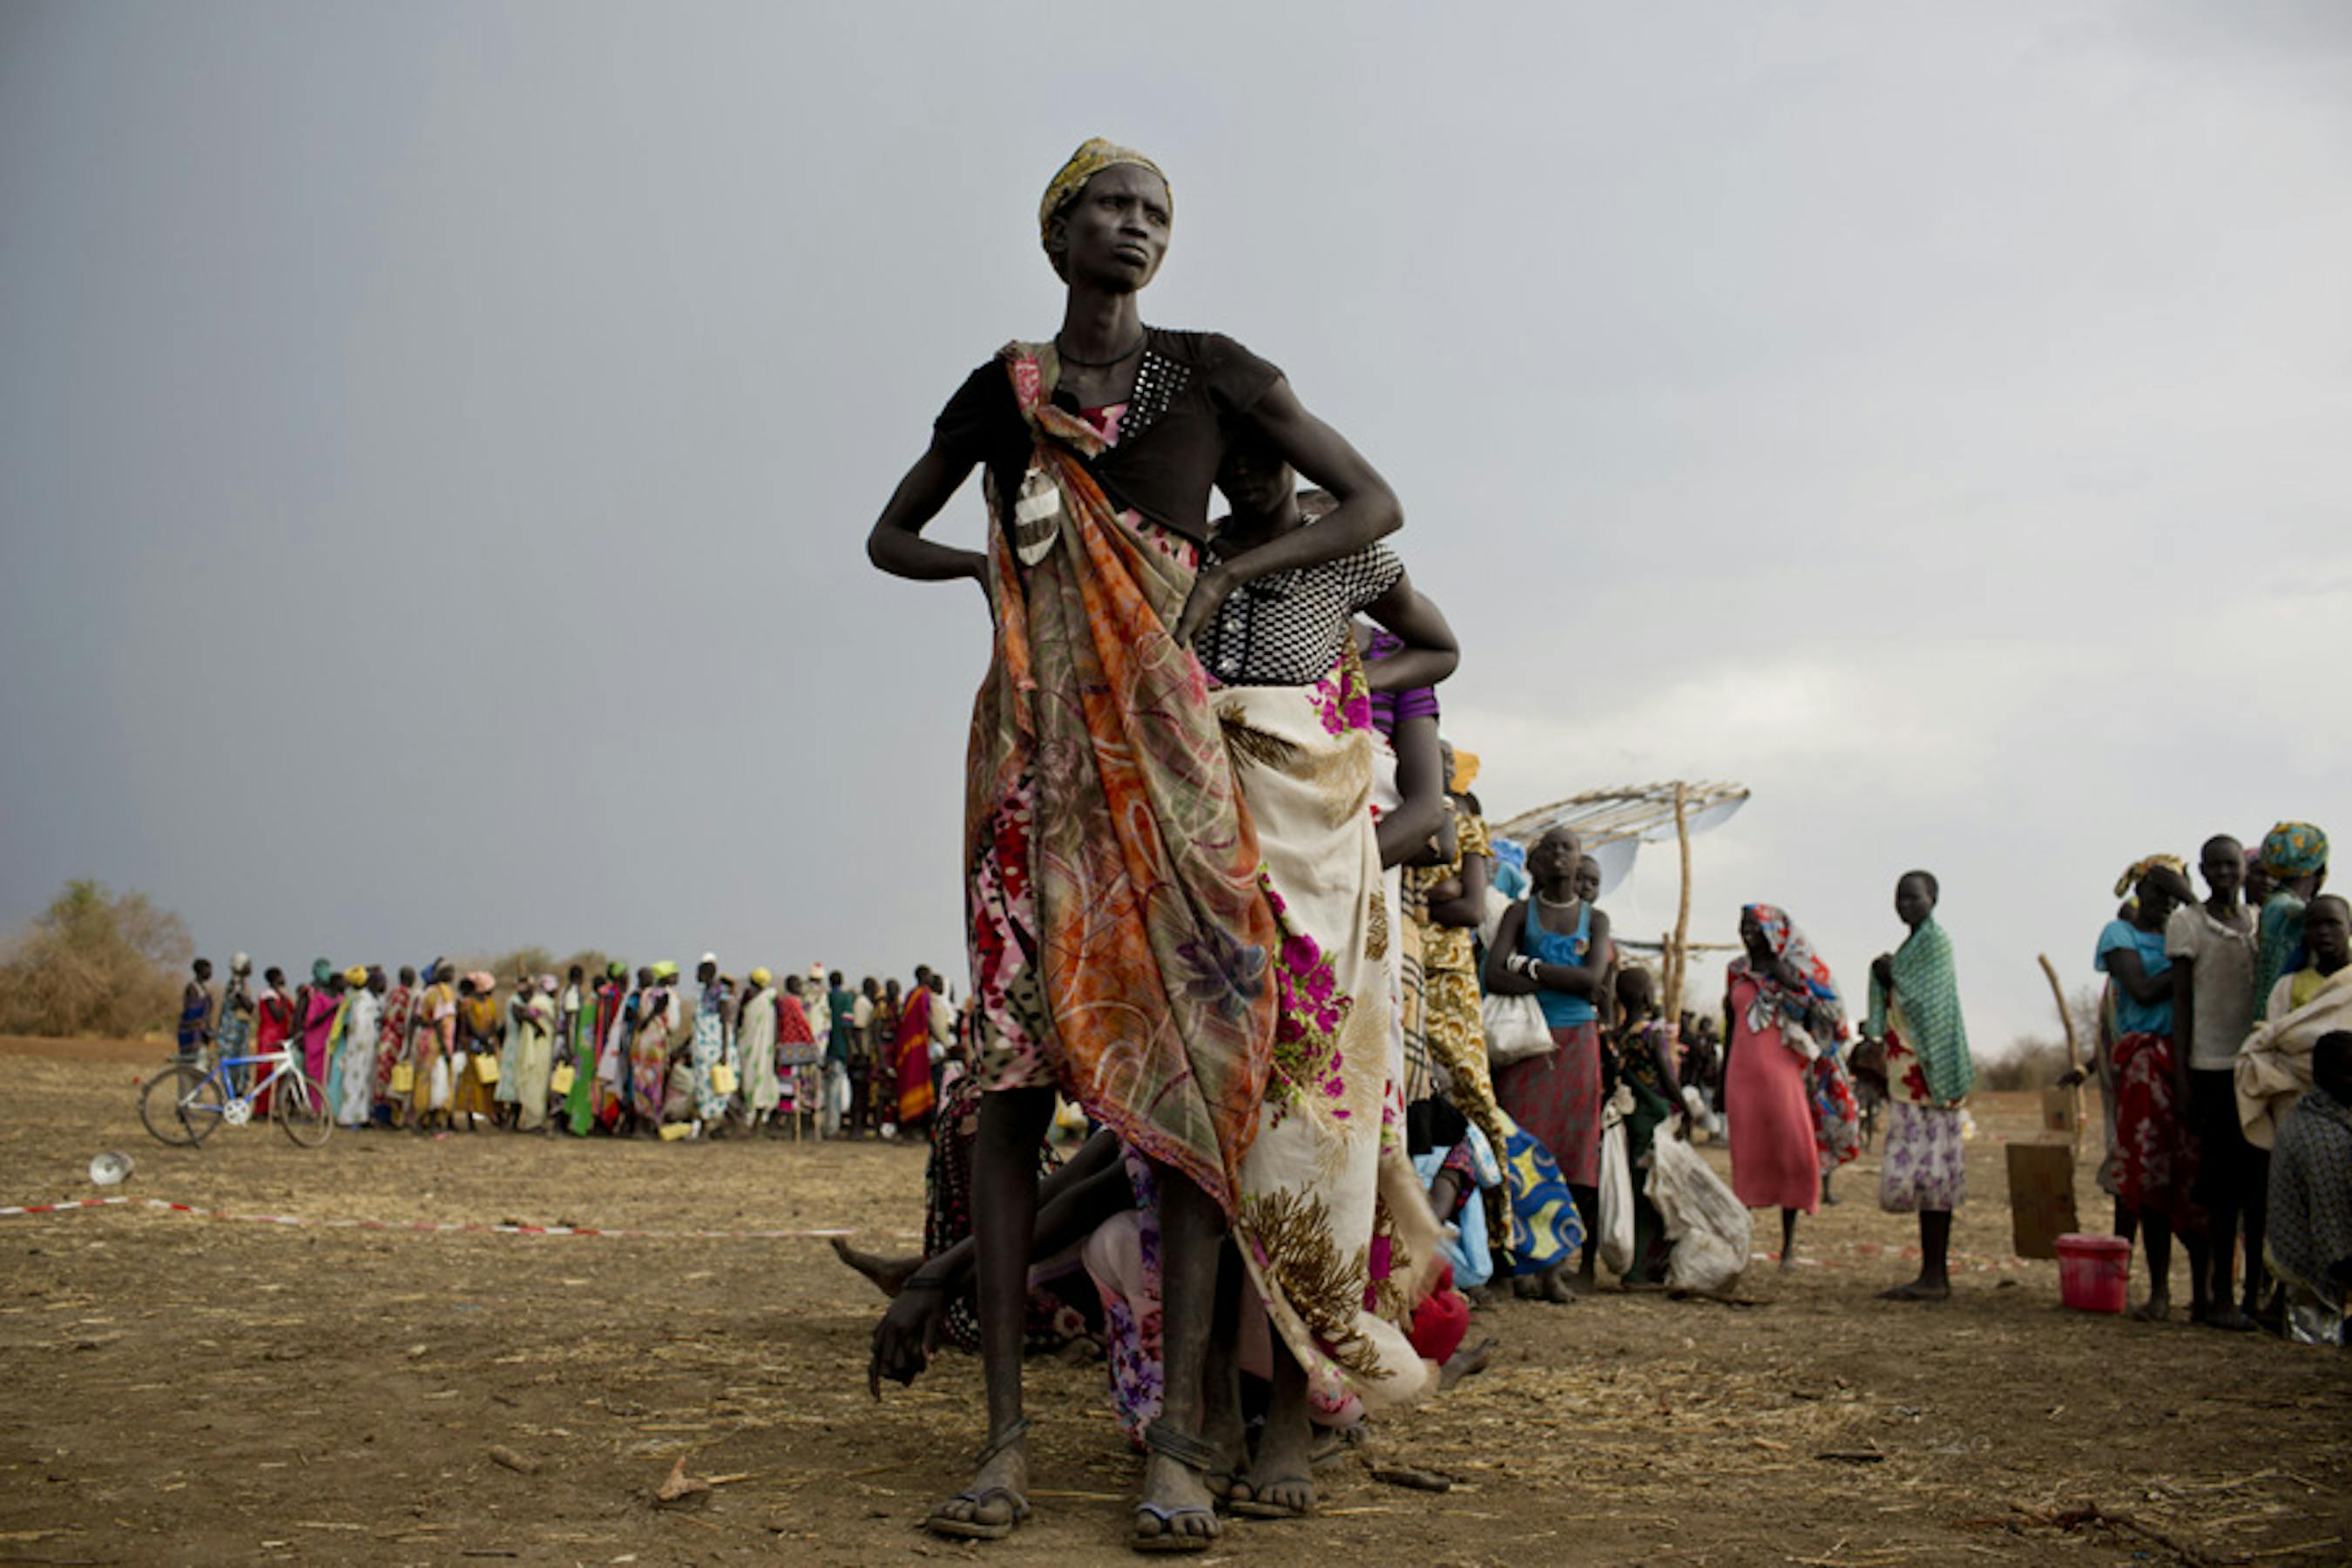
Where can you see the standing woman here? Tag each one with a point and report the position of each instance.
(882, 1084)
(2155, 1163)
(1119, 938)
(610, 1051)
(392, 1048)
(273, 1028)
(1323, 1181)
(195, 1029)
(1915, 1009)
(434, 1044)
(478, 1026)
(1445, 895)
(911, 1060)
(236, 1030)
(755, 1038)
(362, 1041)
(713, 1004)
(656, 1015)
(2293, 864)
(315, 1006)
(1555, 946)
(1780, 1012)
(534, 1052)
(509, 1092)
(800, 1054)
(1641, 1058)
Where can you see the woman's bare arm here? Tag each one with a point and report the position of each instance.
(1466, 908)
(896, 544)
(1420, 768)
(1499, 978)
(1431, 651)
(2132, 976)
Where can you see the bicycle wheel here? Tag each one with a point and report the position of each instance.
(299, 1106)
(180, 1105)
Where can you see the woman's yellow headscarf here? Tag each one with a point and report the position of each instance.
(2139, 868)
(1093, 156)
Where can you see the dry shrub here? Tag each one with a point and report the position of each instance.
(533, 960)
(2032, 1062)
(94, 963)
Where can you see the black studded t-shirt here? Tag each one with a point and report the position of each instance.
(1190, 389)
(1287, 629)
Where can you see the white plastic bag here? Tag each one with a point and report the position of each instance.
(437, 1093)
(1616, 1239)
(1490, 919)
(1515, 1029)
(1710, 1230)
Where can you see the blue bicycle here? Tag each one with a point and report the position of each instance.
(183, 1104)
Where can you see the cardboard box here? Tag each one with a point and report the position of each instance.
(2041, 1197)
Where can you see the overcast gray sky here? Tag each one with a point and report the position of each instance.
(437, 441)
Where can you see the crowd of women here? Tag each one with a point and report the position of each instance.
(445, 1050)
(1341, 1055)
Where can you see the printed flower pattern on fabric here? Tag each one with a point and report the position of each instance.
(1003, 943)
(1926, 1166)
(1289, 1236)
(2155, 1160)
(1311, 1012)
(1226, 974)
(1131, 1312)
(1134, 970)
(1343, 699)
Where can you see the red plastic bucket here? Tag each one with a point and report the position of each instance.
(2093, 1271)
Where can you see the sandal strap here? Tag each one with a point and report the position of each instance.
(1000, 1441)
(1188, 1451)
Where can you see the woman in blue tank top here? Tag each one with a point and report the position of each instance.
(1555, 945)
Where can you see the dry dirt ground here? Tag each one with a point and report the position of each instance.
(194, 1390)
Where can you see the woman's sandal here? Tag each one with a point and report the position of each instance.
(1193, 1455)
(1255, 1506)
(980, 1497)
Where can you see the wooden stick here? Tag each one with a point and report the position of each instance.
(1678, 960)
(2074, 1047)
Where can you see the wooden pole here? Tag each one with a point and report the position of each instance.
(2074, 1047)
(1677, 961)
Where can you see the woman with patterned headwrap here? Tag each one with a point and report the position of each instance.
(2294, 860)
(1120, 941)
(2155, 1160)
(1781, 1014)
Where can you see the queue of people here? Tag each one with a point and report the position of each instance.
(1342, 1057)
(608, 1054)
(2223, 1038)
